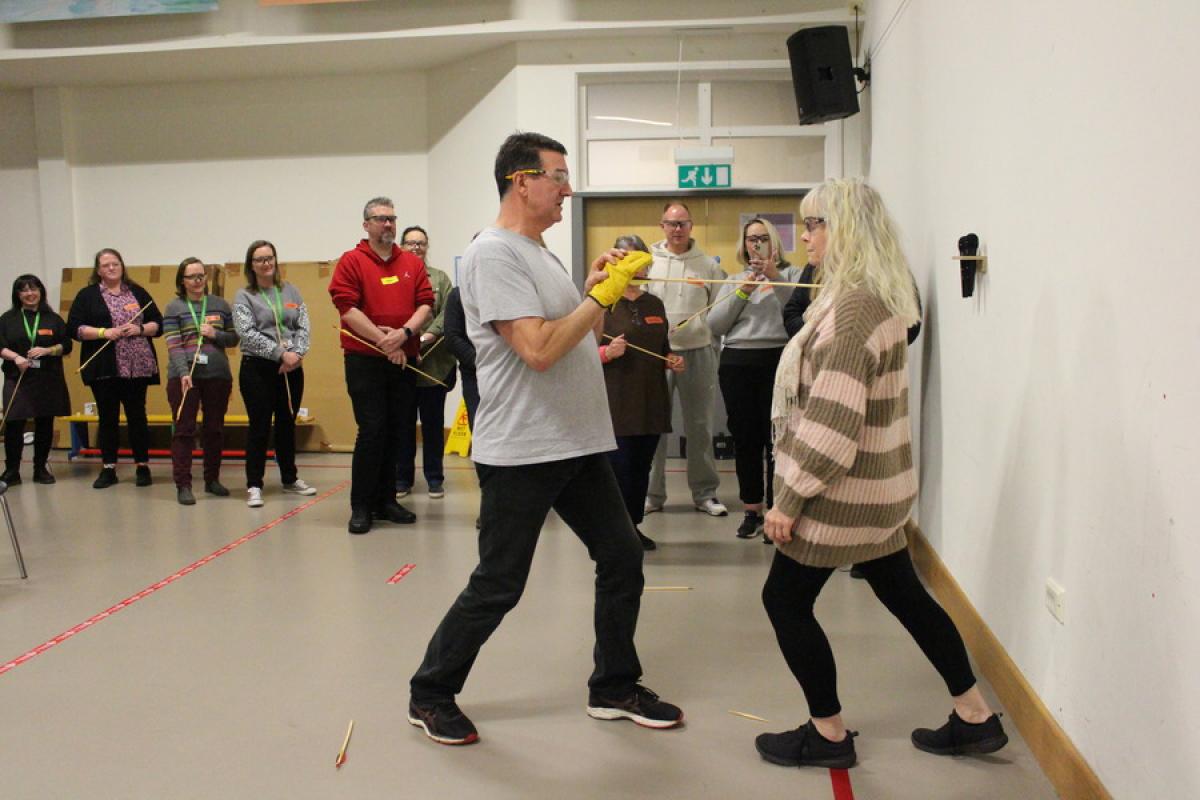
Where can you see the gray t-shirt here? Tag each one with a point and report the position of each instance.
(525, 416)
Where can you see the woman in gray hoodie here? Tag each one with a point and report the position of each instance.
(752, 324)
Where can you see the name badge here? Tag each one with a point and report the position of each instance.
(202, 358)
(35, 363)
(291, 305)
(389, 280)
(654, 320)
(132, 307)
(45, 332)
(213, 318)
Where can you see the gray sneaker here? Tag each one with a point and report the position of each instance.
(299, 487)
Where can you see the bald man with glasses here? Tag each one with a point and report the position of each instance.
(678, 256)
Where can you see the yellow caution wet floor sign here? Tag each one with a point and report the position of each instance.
(459, 440)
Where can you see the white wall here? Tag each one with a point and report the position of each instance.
(1059, 406)
(20, 222)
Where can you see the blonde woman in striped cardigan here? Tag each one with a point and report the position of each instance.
(844, 479)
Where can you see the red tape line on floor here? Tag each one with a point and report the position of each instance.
(149, 590)
(407, 568)
(842, 790)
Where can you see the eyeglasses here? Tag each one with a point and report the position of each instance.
(197, 277)
(677, 225)
(263, 259)
(382, 218)
(559, 176)
(811, 223)
(415, 245)
(758, 239)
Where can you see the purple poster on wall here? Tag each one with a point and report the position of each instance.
(784, 223)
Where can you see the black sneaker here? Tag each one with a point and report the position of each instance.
(10, 477)
(142, 477)
(106, 478)
(42, 474)
(640, 705)
(185, 497)
(957, 737)
(394, 512)
(215, 487)
(648, 544)
(806, 747)
(443, 722)
(751, 526)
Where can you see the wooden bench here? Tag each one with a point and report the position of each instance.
(79, 431)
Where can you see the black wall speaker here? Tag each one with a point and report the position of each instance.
(822, 74)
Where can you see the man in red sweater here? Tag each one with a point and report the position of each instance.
(384, 297)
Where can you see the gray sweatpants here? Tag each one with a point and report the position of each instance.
(697, 387)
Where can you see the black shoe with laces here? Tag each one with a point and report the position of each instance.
(806, 747)
(394, 512)
(106, 478)
(957, 737)
(443, 722)
(10, 477)
(639, 704)
(142, 476)
(42, 474)
(215, 487)
(752, 525)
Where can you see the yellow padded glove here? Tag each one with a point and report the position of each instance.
(608, 291)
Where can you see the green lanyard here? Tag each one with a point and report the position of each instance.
(31, 332)
(200, 319)
(277, 308)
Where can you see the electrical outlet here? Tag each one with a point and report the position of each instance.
(1056, 601)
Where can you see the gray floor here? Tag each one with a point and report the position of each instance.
(238, 679)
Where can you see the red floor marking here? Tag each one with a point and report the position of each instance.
(842, 790)
(149, 590)
(407, 568)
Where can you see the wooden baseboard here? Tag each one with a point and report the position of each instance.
(1063, 764)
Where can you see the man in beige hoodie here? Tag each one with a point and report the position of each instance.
(678, 257)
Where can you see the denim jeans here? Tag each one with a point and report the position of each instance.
(515, 502)
(430, 406)
(381, 394)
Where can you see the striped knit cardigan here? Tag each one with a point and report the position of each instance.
(843, 461)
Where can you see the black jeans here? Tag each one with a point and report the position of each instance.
(515, 503)
(430, 405)
(14, 441)
(631, 463)
(382, 395)
(265, 393)
(790, 592)
(470, 390)
(111, 394)
(746, 389)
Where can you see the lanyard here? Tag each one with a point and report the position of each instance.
(200, 319)
(31, 332)
(276, 308)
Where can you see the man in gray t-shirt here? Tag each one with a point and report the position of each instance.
(540, 436)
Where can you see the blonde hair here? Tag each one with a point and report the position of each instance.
(776, 242)
(862, 250)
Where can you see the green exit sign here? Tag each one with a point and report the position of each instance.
(705, 176)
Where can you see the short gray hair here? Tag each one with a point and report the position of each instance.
(374, 202)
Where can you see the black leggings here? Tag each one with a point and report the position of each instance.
(111, 394)
(14, 441)
(790, 592)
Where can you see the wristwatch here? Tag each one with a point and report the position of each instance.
(408, 334)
